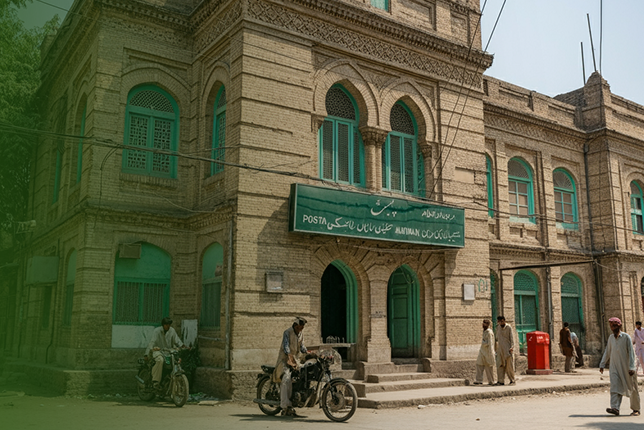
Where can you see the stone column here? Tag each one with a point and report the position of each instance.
(378, 345)
(373, 139)
(426, 149)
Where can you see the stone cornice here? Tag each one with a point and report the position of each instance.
(533, 120)
(168, 18)
(389, 28)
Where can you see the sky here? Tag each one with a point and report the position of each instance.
(536, 44)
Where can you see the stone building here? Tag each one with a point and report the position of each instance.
(245, 161)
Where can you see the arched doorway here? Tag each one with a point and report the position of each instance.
(403, 313)
(526, 305)
(339, 303)
(571, 306)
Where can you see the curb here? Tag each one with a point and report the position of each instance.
(389, 404)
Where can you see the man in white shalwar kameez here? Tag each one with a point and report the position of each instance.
(620, 358)
(163, 338)
(638, 343)
(504, 352)
(485, 360)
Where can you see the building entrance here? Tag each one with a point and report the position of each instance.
(339, 304)
(403, 313)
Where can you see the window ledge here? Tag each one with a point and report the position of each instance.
(568, 231)
(170, 183)
(213, 179)
(526, 222)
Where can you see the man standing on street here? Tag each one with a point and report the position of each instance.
(638, 343)
(565, 342)
(485, 360)
(504, 350)
(620, 358)
(292, 345)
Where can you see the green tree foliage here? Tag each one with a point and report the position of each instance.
(19, 81)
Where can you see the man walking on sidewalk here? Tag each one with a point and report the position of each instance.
(638, 343)
(504, 350)
(620, 358)
(485, 360)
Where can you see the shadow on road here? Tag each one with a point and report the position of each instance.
(258, 417)
(613, 425)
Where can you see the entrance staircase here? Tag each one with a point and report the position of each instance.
(404, 382)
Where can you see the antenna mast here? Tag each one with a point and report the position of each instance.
(583, 65)
(601, 32)
(592, 46)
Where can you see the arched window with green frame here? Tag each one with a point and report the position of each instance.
(571, 305)
(565, 199)
(211, 279)
(490, 186)
(402, 162)
(219, 132)
(341, 147)
(636, 208)
(520, 190)
(151, 122)
(142, 287)
(526, 304)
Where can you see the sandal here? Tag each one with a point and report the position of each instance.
(635, 413)
(612, 411)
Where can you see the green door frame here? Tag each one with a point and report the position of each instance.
(352, 300)
(414, 306)
(519, 293)
(581, 335)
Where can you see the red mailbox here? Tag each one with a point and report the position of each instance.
(538, 353)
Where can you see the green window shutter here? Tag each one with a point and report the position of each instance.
(420, 172)
(565, 199)
(636, 208)
(341, 148)
(211, 282)
(409, 165)
(327, 150)
(395, 163)
(520, 189)
(343, 152)
(402, 166)
(490, 188)
(152, 119)
(219, 132)
(380, 4)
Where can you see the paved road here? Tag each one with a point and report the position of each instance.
(547, 412)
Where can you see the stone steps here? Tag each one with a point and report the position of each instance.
(364, 389)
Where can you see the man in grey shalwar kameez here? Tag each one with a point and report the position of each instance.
(620, 358)
(485, 360)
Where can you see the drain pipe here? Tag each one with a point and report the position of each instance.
(597, 270)
(551, 329)
(229, 284)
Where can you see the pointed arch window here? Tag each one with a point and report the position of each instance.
(151, 122)
(636, 208)
(565, 199)
(341, 147)
(520, 190)
(490, 187)
(402, 162)
(219, 132)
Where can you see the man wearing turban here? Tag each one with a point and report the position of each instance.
(620, 358)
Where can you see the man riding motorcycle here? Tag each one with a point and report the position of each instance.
(164, 337)
(292, 345)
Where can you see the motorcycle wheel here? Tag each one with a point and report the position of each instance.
(339, 400)
(180, 390)
(268, 390)
(144, 394)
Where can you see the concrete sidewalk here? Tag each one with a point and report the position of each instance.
(582, 379)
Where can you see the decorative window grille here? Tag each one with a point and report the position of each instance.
(565, 199)
(636, 208)
(520, 191)
(151, 123)
(219, 132)
(341, 148)
(402, 162)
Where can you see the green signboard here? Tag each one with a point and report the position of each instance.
(346, 213)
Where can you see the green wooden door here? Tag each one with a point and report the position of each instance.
(401, 324)
(525, 305)
(571, 310)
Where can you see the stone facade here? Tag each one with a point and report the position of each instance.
(277, 61)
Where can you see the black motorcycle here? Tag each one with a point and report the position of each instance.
(312, 384)
(174, 382)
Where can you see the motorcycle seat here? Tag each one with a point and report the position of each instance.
(268, 369)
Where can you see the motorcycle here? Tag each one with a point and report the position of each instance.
(174, 382)
(312, 384)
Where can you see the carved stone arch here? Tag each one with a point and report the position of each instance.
(348, 74)
(160, 76)
(569, 172)
(633, 176)
(408, 92)
(219, 75)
